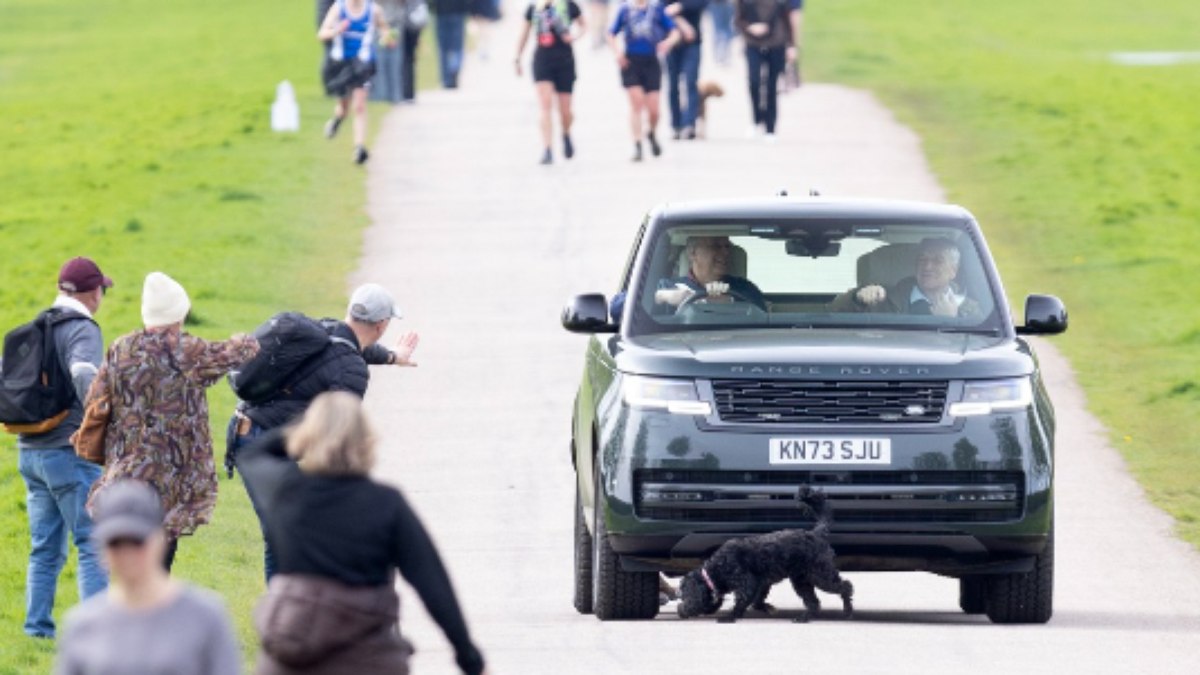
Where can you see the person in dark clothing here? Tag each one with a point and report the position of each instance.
(416, 19)
(329, 521)
(766, 27)
(451, 31)
(683, 70)
(555, 23)
(354, 344)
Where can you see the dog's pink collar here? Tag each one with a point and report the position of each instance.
(708, 580)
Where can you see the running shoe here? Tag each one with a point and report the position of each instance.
(689, 133)
(754, 132)
(568, 147)
(655, 148)
(360, 154)
(331, 127)
(770, 138)
(637, 152)
(677, 134)
(547, 157)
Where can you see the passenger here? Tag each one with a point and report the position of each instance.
(932, 290)
(147, 623)
(708, 279)
(339, 538)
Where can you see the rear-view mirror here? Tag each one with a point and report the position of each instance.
(1044, 315)
(813, 248)
(587, 313)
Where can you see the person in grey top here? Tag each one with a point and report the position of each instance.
(147, 623)
(56, 481)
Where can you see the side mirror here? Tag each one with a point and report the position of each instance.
(1044, 315)
(587, 314)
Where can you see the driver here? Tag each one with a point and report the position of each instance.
(709, 279)
(931, 290)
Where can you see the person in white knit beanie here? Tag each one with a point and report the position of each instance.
(164, 301)
(154, 381)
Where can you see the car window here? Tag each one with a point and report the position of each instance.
(917, 277)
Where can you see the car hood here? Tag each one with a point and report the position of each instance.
(825, 354)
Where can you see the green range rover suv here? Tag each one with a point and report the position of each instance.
(862, 347)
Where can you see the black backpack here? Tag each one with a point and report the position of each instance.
(35, 394)
(286, 343)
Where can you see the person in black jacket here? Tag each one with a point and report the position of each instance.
(340, 537)
(354, 344)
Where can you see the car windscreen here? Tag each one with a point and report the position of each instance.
(812, 275)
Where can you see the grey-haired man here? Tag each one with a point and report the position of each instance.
(354, 345)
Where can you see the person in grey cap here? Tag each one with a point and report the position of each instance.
(147, 623)
(354, 344)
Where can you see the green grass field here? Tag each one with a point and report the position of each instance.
(1084, 174)
(137, 133)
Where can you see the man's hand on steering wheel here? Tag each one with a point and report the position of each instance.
(726, 294)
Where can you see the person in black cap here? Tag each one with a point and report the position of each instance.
(147, 623)
(56, 480)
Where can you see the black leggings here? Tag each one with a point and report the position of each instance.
(764, 92)
(408, 71)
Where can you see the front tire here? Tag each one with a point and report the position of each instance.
(1026, 597)
(583, 559)
(616, 594)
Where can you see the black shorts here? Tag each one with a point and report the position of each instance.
(342, 77)
(642, 71)
(556, 69)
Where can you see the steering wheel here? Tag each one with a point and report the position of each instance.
(738, 296)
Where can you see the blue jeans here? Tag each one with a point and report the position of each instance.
(57, 485)
(451, 29)
(388, 84)
(683, 69)
(234, 443)
(722, 18)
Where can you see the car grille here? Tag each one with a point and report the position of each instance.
(856, 497)
(801, 402)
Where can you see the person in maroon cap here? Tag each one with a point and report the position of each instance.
(57, 481)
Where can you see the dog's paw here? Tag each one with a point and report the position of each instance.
(803, 618)
(766, 608)
(726, 619)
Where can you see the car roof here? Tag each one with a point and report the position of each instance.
(814, 208)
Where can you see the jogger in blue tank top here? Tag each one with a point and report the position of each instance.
(352, 27)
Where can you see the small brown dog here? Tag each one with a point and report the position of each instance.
(708, 89)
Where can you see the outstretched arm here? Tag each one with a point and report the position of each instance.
(418, 561)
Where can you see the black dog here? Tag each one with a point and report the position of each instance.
(749, 567)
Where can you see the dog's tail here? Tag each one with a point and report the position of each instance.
(814, 499)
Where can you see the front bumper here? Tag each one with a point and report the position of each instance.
(972, 496)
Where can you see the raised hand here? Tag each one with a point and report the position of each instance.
(943, 305)
(872, 295)
(405, 346)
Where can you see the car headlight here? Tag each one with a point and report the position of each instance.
(985, 398)
(674, 396)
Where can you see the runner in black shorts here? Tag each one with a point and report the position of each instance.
(554, 23)
(642, 71)
(641, 34)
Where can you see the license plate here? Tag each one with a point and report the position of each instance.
(831, 450)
